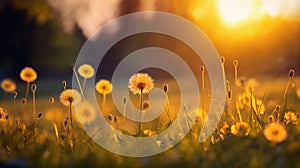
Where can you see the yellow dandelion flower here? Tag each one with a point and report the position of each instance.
(8, 85)
(290, 117)
(28, 74)
(70, 96)
(85, 112)
(140, 82)
(240, 129)
(275, 132)
(86, 71)
(104, 87)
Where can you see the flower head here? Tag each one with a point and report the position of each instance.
(104, 87)
(140, 82)
(290, 117)
(8, 85)
(70, 96)
(86, 71)
(86, 113)
(275, 132)
(240, 129)
(28, 74)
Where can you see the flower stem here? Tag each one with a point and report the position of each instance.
(141, 108)
(27, 90)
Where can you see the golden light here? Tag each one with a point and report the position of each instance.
(272, 7)
(235, 10)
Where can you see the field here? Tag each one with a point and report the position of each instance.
(259, 127)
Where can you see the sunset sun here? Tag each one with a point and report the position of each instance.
(234, 10)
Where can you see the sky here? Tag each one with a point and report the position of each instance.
(264, 35)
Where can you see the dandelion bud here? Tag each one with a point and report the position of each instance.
(24, 100)
(51, 100)
(277, 108)
(62, 137)
(229, 95)
(40, 115)
(223, 60)
(33, 87)
(64, 83)
(66, 122)
(235, 62)
(271, 118)
(292, 74)
(72, 66)
(110, 117)
(125, 100)
(202, 68)
(298, 115)
(15, 94)
(146, 105)
(166, 87)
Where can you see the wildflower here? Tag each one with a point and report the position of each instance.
(104, 87)
(275, 132)
(140, 83)
(8, 85)
(86, 113)
(86, 71)
(28, 74)
(240, 129)
(290, 117)
(70, 96)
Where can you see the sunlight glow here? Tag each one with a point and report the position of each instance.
(235, 10)
(272, 7)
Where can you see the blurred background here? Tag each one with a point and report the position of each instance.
(264, 35)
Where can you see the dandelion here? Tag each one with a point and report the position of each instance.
(275, 132)
(104, 87)
(86, 71)
(240, 129)
(140, 83)
(70, 97)
(86, 113)
(8, 85)
(28, 75)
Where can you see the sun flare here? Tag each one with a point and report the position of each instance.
(235, 10)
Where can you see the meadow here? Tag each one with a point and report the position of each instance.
(259, 127)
